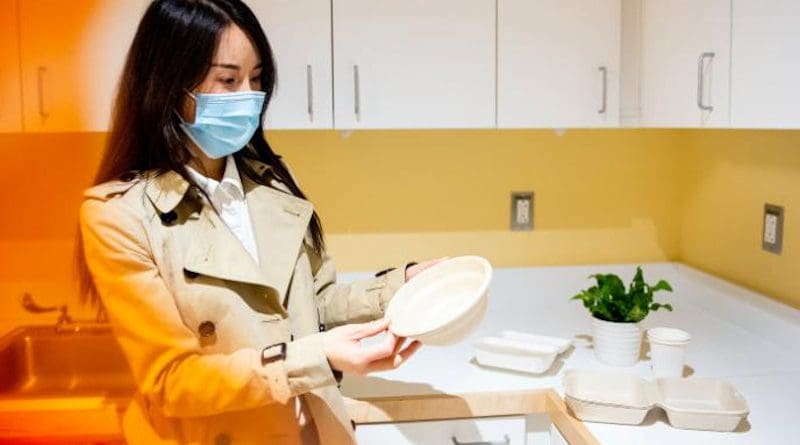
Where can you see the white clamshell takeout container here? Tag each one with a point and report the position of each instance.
(520, 351)
(442, 304)
(562, 344)
(699, 404)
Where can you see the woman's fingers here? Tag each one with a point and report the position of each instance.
(400, 342)
(407, 352)
(417, 268)
(394, 360)
(354, 357)
(381, 350)
(369, 329)
(401, 357)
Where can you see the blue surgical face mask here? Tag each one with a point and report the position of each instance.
(224, 122)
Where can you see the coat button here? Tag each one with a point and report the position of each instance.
(222, 439)
(169, 218)
(207, 329)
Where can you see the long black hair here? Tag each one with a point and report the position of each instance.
(171, 53)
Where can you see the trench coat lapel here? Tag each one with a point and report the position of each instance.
(280, 221)
(211, 248)
(215, 251)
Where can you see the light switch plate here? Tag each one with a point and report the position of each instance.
(522, 210)
(772, 231)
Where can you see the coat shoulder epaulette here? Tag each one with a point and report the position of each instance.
(113, 188)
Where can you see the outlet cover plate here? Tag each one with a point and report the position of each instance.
(772, 230)
(522, 211)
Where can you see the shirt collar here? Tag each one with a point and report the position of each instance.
(231, 182)
(167, 189)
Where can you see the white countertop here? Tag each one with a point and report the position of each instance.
(745, 338)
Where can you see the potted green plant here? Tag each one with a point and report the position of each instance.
(616, 313)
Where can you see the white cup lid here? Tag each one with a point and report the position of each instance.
(668, 336)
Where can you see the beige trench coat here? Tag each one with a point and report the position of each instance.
(192, 312)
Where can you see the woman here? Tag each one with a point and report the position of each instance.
(208, 259)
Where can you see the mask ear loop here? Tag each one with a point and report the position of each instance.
(194, 98)
(183, 122)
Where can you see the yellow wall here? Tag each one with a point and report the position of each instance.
(385, 197)
(389, 196)
(41, 178)
(726, 178)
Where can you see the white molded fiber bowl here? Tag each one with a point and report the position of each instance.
(444, 303)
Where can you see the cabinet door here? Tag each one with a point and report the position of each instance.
(10, 102)
(72, 55)
(685, 63)
(299, 32)
(766, 64)
(414, 63)
(558, 63)
(498, 430)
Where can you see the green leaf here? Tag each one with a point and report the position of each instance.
(636, 314)
(612, 283)
(637, 284)
(657, 306)
(662, 285)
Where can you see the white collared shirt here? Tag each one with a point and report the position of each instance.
(228, 198)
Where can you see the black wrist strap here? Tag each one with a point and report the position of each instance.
(268, 355)
(384, 272)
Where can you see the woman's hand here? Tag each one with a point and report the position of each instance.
(343, 348)
(417, 268)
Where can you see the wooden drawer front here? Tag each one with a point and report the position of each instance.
(485, 430)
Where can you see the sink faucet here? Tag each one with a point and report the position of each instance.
(64, 318)
(31, 306)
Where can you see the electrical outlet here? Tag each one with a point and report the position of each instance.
(772, 233)
(521, 210)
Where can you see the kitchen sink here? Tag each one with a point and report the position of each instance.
(62, 361)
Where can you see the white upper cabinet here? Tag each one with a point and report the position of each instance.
(685, 63)
(558, 63)
(72, 56)
(299, 32)
(10, 101)
(394, 64)
(765, 72)
(414, 63)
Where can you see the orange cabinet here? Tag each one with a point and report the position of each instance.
(72, 54)
(10, 100)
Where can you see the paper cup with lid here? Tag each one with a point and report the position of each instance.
(668, 351)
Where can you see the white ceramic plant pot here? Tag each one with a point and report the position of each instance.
(617, 344)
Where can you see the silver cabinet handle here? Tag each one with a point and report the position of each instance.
(506, 441)
(40, 73)
(604, 104)
(357, 93)
(701, 76)
(310, 91)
